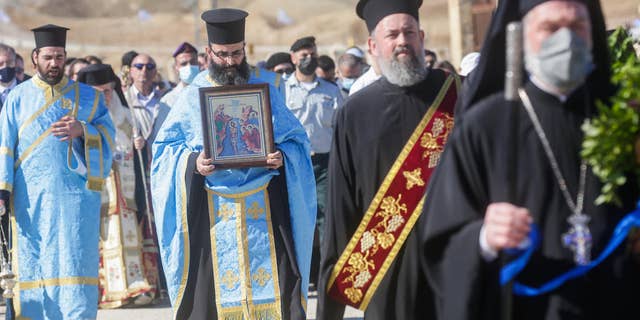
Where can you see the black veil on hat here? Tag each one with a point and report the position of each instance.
(99, 74)
(372, 11)
(488, 77)
(96, 74)
(50, 35)
(225, 25)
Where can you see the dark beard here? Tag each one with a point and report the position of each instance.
(48, 78)
(231, 75)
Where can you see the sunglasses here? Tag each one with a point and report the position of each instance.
(150, 66)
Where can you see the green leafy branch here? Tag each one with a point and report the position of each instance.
(611, 140)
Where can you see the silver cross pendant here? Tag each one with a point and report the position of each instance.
(578, 238)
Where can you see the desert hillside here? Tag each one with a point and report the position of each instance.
(108, 28)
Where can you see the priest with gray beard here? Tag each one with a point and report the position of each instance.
(510, 165)
(376, 133)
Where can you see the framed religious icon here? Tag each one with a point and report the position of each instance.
(236, 125)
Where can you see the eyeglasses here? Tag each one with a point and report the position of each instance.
(233, 55)
(150, 66)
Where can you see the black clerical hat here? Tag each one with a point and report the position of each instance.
(488, 77)
(50, 36)
(225, 26)
(278, 58)
(185, 47)
(372, 11)
(99, 74)
(302, 43)
(527, 5)
(96, 74)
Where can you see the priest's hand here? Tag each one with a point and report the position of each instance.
(138, 140)
(506, 226)
(204, 166)
(68, 128)
(138, 143)
(3, 208)
(274, 160)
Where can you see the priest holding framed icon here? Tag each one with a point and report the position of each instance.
(235, 242)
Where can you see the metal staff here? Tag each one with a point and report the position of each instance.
(512, 82)
(7, 277)
(143, 172)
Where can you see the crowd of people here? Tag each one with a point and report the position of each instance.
(395, 184)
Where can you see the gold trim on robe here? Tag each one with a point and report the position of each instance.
(395, 208)
(244, 281)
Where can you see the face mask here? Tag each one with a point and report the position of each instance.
(564, 61)
(347, 83)
(188, 73)
(308, 65)
(7, 74)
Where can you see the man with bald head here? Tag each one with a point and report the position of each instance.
(144, 99)
(511, 165)
(148, 115)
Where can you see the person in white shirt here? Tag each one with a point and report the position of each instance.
(143, 100)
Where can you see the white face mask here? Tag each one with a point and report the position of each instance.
(564, 61)
(188, 73)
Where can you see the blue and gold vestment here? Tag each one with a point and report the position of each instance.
(246, 278)
(55, 196)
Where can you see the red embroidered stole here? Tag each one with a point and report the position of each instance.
(395, 207)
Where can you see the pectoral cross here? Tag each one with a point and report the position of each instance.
(579, 239)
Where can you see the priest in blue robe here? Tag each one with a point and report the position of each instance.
(235, 243)
(55, 138)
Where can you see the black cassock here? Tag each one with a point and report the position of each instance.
(473, 173)
(370, 131)
(198, 302)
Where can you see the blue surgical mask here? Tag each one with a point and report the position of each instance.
(188, 73)
(7, 74)
(564, 60)
(347, 83)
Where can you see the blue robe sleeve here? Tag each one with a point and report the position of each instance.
(8, 141)
(93, 151)
(292, 140)
(171, 152)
